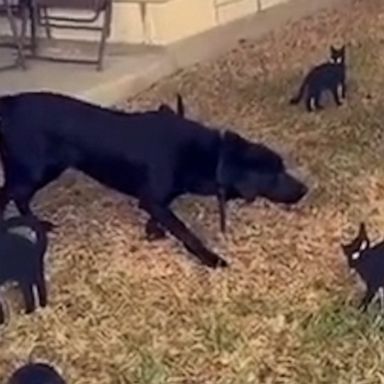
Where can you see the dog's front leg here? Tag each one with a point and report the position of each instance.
(4, 200)
(168, 220)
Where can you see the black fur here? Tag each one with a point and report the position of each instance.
(22, 258)
(36, 373)
(368, 262)
(154, 156)
(326, 76)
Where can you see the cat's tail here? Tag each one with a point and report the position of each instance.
(296, 99)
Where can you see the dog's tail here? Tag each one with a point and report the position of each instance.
(296, 99)
(180, 105)
(39, 227)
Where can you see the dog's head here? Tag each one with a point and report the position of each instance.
(354, 250)
(248, 170)
(337, 55)
(252, 170)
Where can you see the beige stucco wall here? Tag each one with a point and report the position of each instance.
(166, 21)
(172, 20)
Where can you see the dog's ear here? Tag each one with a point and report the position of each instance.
(165, 108)
(180, 105)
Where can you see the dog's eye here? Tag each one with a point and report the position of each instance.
(355, 255)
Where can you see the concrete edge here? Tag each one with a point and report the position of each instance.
(205, 46)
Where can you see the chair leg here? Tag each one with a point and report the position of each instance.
(15, 34)
(24, 22)
(46, 22)
(106, 30)
(33, 14)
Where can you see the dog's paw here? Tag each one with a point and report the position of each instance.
(154, 233)
(48, 225)
(29, 311)
(222, 263)
(214, 261)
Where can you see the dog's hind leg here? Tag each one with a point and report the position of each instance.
(29, 300)
(41, 289)
(167, 219)
(2, 314)
(4, 200)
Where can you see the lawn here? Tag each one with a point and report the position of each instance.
(123, 310)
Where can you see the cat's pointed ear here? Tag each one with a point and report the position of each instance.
(363, 235)
(362, 230)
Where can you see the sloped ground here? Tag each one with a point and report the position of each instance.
(126, 311)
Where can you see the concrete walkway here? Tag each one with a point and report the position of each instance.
(132, 70)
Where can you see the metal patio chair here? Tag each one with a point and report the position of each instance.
(41, 17)
(11, 10)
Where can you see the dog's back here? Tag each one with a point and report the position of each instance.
(73, 125)
(63, 132)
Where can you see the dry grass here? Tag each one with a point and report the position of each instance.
(126, 311)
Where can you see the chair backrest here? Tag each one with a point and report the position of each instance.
(14, 4)
(96, 5)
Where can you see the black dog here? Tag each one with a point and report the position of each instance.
(22, 258)
(368, 262)
(38, 373)
(154, 156)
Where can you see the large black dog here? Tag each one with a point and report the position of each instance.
(154, 156)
